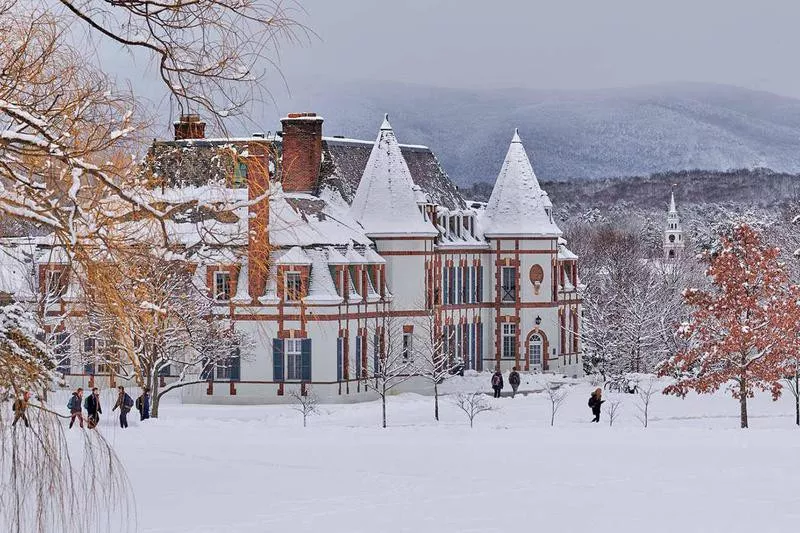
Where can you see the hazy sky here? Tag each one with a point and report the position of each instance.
(553, 44)
(563, 44)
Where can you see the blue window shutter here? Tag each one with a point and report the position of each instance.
(479, 345)
(164, 371)
(235, 364)
(459, 340)
(472, 346)
(358, 357)
(452, 287)
(339, 358)
(479, 286)
(89, 368)
(445, 284)
(459, 281)
(305, 359)
(277, 359)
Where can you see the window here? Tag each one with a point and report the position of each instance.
(227, 368)
(408, 346)
(508, 291)
(56, 284)
(294, 359)
(509, 341)
(293, 286)
(672, 238)
(239, 175)
(535, 347)
(222, 286)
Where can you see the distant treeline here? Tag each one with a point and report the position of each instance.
(757, 188)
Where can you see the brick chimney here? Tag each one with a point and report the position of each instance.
(258, 246)
(302, 151)
(189, 127)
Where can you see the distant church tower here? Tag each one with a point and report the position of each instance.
(673, 234)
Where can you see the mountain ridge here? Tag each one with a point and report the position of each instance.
(588, 134)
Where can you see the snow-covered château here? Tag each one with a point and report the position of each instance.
(363, 244)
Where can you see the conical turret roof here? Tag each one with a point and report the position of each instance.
(518, 205)
(385, 203)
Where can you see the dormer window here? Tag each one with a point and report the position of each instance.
(222, 285)
(293, 286)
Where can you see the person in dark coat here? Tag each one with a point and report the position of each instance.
(93, 408)
(143, 404)
(21, 409)
(513, 380)
(124, 403)
(75, 409)
(497, 383)
(595, 401)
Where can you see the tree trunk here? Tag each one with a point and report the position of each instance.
(154, 399)
(383, 407)
(436, 401)
(743, 402)
(797, 398)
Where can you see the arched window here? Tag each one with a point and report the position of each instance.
(535, 345)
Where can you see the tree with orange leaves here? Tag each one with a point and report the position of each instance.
(735, 332)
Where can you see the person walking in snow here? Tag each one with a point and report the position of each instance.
(20, 408)
(497, 383)
(513, 380)
(595, 401)
(75, 409)
(143, 404)
(93, 408)
(124, 403)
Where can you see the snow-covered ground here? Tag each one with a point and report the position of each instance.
(255, 469)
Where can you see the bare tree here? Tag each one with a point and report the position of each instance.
(306, 405)
(394, 361)
(645, 392)
(556, 393)
(151, 310)
(472, 404)
(613, 408)
(436, 358)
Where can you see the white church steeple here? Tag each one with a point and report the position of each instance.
(673, 233)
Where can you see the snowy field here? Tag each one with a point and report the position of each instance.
(255, 469)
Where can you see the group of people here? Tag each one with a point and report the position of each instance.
(94, 409)
(595, 399)
(513, 380)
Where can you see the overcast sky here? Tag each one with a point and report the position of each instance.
(561, 44)
(552, 44)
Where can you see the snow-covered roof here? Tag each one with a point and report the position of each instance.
(385, 203)
(16, 277)
(371, 257)
(353, 257)
(672, 208)
(321, 289)
(242, 295)
(335, 257)
(303, 219)
(294, 256)
(517, 205)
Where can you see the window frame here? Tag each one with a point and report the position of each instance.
(537, 344)
(217, 293)
(296, 294)
(407, 352)
(293, 356)
(508, 293)
(508, 337)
